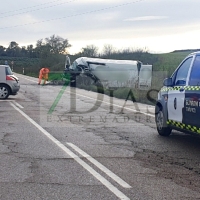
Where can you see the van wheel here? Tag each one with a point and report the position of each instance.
(4, 91)
(162, 127)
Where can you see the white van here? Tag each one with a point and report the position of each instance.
(112, 73)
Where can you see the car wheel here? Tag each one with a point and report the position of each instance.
(4, 91)
(162, 127)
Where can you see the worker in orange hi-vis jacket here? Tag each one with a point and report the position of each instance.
(43, 75)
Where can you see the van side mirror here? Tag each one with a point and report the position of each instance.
(168, 82)
(67, 62)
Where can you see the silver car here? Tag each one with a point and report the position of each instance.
(9, 83)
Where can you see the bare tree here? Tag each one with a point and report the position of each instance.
(108, 49)
(39, 43)
(90, 51)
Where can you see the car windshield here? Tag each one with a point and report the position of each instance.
(8, 71)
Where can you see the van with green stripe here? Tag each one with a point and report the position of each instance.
(178, 103)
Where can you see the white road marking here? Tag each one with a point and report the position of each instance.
(18, 105)
(6, 100)
(27, 79)
(105, 182)
(100, 166)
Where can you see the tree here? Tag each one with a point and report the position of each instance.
(31, 51)
(39, 43)
(2, 51)
(54, 45)
(42, 49)
(57, 45)
(13, 45)
(108, 49)
(90, 51)
(23, 51)
(13, 50)
(51, 50)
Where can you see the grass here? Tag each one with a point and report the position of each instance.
(169, 61)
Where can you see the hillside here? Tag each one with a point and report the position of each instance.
(170, 61)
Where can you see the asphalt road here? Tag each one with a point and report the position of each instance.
(58, 142)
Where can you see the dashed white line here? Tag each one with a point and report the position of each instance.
(18, 105)
(104, 181)
(27, 79)
(100, 166)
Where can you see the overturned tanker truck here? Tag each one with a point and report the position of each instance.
(110, 73)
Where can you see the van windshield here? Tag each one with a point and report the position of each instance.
(8, 71)
(73, 66)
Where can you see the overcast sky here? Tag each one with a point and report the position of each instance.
(158, 25)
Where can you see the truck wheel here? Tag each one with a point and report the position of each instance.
(4, 91)
(161, 124)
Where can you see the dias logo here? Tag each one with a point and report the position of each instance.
(99, 100)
